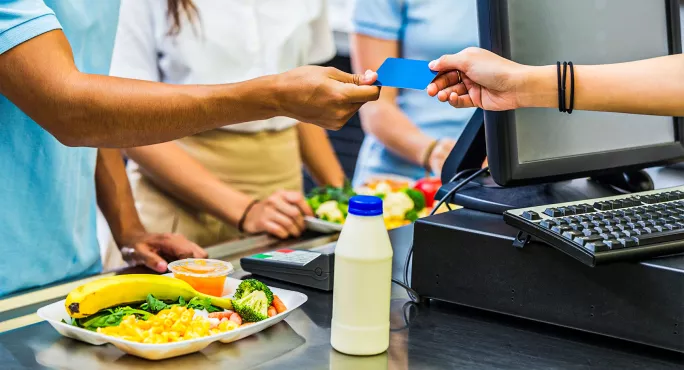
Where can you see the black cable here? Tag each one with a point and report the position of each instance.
(458, 187)
(415, 297)
(445, 198)
(572, 88)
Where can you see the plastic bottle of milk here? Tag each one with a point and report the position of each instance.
(362, 281)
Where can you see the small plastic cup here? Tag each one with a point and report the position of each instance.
(207, 276)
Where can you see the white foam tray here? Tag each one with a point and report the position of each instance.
(325, 227)
(56, 312)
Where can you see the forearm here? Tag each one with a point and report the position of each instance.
(99, 111)
(651, 86)
(394, 130)
(319, 156)
(170, 168)
(114, 197)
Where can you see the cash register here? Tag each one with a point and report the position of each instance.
(568, 227)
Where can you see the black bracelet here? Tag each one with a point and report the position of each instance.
(241, 223)
(562, 87)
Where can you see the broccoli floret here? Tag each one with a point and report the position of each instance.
(248, 286)
(417, 197)
(253, 307)
(411, 215)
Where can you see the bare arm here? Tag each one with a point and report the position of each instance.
(318, 155)
(176, 172)
(650, 86)
(79, 109)
(383, 118)
(115, 200)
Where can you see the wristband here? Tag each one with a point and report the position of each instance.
(241, 223)
(428, 153)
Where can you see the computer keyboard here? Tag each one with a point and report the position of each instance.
(597, 231)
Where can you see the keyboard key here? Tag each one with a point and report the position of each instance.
(678, 194)
(576, 209)
(553, 212)
(547, 224)
(613, 244)
(559, 222)
(603, 206)
(566, 211)
(531, 215)
(606, 236)
(572, 234)
(587, 207)
(560, 229)
(582, 240)
(628, 243)
(594, 216)
(671, 227)
(576, 227)
(666, 236)
(658, 228)
(638, 232)
(589, 232)
(624, 226)
(598, 223)
(582, 218)
(626, 212)
(618, 234)
(597, 246)
(649, 230)
(630, 218)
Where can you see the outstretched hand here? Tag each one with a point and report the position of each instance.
(479, 78)
(325, 96)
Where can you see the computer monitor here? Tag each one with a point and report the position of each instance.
(535, 145)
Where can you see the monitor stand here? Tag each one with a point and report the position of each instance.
(484, 195)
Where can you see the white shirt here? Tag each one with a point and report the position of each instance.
(233, 41)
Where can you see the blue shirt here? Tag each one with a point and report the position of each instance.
(425, 30)
(47, 190)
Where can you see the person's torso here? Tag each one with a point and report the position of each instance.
(238, 40)
(431, 28)
(47, 190)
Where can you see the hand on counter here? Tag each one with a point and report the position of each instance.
(281, 214)
(324, 96)
(148, 249)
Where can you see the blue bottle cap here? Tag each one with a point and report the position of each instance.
(365, 205)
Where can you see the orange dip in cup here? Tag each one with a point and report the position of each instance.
(205, 275)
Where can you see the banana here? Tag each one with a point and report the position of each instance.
(113, 291)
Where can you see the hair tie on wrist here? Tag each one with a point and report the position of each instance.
(562, 87)
(241, 223)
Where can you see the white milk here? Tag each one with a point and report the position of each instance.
(362, 281)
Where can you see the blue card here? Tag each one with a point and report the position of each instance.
(405, 74)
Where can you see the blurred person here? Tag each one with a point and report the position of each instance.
(476, 77)
(408, 134)
(244, 178)
(53, 96)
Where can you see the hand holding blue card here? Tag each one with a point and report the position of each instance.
(405, 74)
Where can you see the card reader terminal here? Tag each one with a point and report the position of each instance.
(312, 268)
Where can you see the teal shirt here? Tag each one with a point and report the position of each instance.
(425, 30)
(47, 190)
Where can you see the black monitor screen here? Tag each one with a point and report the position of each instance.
(543, 143)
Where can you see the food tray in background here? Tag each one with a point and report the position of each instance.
(321, 226)
(56, 312)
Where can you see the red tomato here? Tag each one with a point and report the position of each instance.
(429, 188)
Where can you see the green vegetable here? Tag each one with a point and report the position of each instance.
(248, 286)
(253, 307)
(344, 208)
(411, 215)
(199, 303)
(154, 305)
(321, 195)
(109, 317)
(418, 199)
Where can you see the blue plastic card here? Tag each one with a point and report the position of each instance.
(405, 74)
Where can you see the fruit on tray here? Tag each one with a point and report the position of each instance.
(114, 291)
